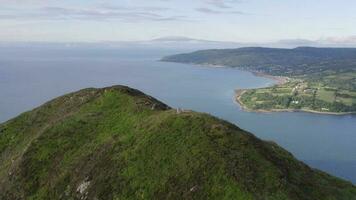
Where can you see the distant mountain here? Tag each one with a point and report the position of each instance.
(178, 39)
(275, 61)
(118, 143)
(179, 42)
(189, 43)
(293, 43)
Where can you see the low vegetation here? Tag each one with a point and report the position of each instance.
(117, 143)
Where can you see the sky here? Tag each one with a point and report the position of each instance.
(137, 20)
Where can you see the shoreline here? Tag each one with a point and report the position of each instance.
(240, 92)
(280, 80)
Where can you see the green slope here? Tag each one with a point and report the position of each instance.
(117, 143)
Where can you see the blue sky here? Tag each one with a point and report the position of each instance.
(222, 20)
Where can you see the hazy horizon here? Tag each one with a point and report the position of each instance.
(178, 42)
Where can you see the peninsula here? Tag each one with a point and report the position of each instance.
(321, 80)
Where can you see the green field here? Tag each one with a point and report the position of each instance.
(303, 95)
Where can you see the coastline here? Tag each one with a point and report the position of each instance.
(280, 80)
(240, 92)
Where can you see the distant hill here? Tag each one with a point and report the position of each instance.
(178, 39)
(275, 61)
(118, 143)
(186, 43)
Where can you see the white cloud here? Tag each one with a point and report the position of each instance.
(212, 11)
(337, 40)
(224, 4)
(128, 14)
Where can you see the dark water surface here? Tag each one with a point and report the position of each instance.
(29, 77)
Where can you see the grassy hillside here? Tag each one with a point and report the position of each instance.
(329, 72)
(117, 143)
